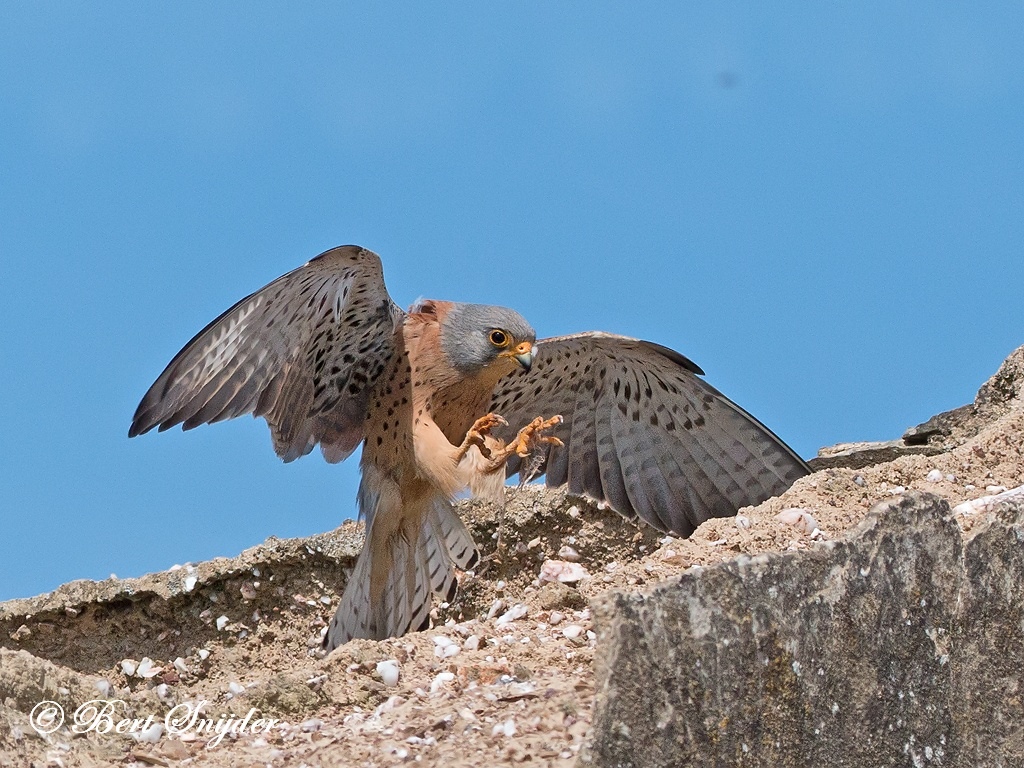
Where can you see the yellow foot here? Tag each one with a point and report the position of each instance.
(475, 435)
(528, 440)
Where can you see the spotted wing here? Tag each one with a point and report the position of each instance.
(303, 353)
(643, 433)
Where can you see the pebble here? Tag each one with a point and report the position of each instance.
(393, 703)
(179, 664)
(563, 571)
(128, 666)
(471, 643)
(507, 729)
(222, 621)
(236, 688)
(555, 618)
(440, 679)
(572, 631)
(514, 613)
(190, 583)
(798, 518)
(742, 522)
(567, 553)
(151, 735)
(935, 476)
(388, 671)
(445, 647)
(496, 606)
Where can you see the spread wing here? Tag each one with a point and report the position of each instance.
(643, 433)
(303, 353)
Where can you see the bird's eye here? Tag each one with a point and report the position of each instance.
(498, 338)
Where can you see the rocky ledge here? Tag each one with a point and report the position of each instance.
(868, 616)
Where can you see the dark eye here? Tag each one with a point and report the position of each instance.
(498, 338)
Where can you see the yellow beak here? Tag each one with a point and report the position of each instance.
(524, 355)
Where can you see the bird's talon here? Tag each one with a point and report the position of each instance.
(475, 435)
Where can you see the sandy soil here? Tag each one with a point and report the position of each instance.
(504, 676)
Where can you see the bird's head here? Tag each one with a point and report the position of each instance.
(476, 337)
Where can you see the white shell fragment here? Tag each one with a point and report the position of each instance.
(798, 518)
(190, 583)
(222, 621)
(445, 647)
(514, 613)
(496, 606)
(128, 666)
(935, 476)
(440, 679)
(388, 671)
(572, 631)
(147, 668)
(507, 729)
(151, 735)
(563, 571)
(988, 503)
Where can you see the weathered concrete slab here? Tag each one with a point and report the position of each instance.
(900, 645)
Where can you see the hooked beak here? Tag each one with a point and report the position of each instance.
(524, 355)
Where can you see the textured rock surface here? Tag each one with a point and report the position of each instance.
(898, 645)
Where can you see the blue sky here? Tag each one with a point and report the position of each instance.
(820, 204)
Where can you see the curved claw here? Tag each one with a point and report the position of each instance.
(476, 433)
(527, 440)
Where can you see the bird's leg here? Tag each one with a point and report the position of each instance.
(528, 439)
(475, 435)
(525, 442)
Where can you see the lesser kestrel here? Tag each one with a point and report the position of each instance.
(448, 394)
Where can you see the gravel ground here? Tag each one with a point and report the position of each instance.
(504, 676)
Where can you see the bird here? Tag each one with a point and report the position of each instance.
(452, 395)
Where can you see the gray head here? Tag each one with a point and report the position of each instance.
(477, 336)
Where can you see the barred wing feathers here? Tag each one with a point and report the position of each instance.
(643, 432)
(303, 353)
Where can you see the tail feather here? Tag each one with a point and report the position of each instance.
(411, 550)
